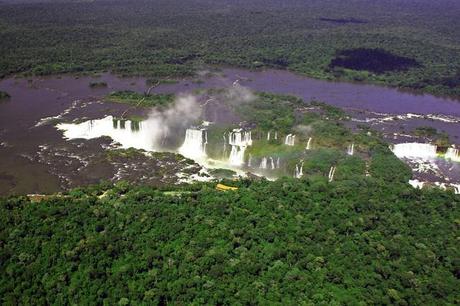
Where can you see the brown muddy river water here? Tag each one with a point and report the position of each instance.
(34, 157)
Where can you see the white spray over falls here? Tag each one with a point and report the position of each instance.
(239, 140)
(351, 149)
(125, 132)
(420, 150)
(195, 143)
(290, 140)
(148, 135)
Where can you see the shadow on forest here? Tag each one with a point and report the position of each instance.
(374, 60)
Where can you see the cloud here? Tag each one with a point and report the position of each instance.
(181, 115)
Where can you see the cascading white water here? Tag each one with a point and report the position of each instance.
(456, 188)
(194, 145)
(453, 154)
(351, 149)
(239, 140)
(421, 150)
(263, 163)
(308, 147)
(290, 140)
(298, 170)
(278, 163)
(276, 135)
(331, 174)
(139, 135)
(268, 136)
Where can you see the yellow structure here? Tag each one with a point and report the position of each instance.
(222, 187)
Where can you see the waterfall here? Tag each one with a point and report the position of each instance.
(351, 149)
(441, 185)
(250, 161)
(278, 163)
(268, 136)
(298, 170)
(416, 184)
(453, 154)
(331, 174)
(456, 188)
(309, 144)
(272, 163)
(276, 135)
(239, 140)
(422, 150)
(194, 145)
(263, 163)
(290, 140)
(164, 137)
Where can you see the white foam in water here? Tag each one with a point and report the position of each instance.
(194, 145)
(141, 137)
(421, 150)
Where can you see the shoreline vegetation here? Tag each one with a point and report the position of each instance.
(139, 99)
(146, 42)
(4, 95)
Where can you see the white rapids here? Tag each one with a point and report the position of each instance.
(413, 150)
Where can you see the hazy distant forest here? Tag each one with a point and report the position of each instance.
(413, 44)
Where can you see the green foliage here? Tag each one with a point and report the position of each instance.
(271, 112)
(141, 100)
(4, 95)
(359, 241)
(168, 39)
(388, 167)
(222, 173)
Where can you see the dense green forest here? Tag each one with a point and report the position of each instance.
(174, 38)
(357, 241)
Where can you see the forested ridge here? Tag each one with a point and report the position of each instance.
(168, 39)
(356, 241)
